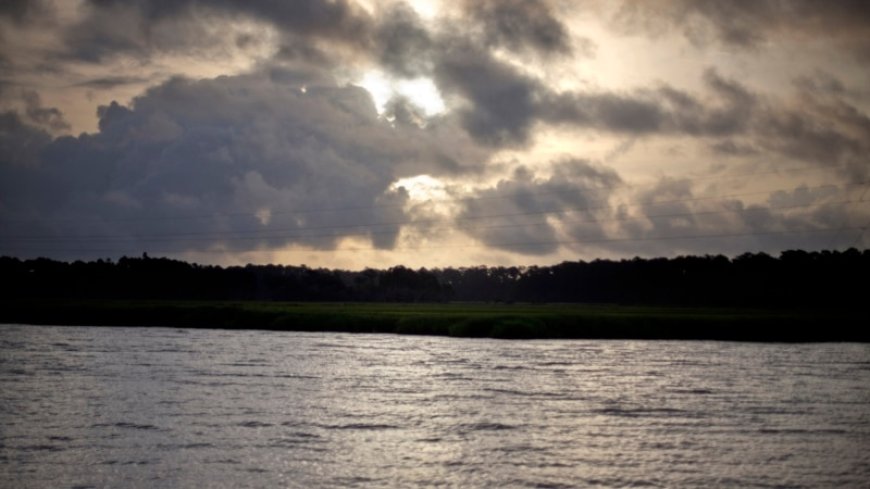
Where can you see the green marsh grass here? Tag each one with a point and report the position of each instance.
(509, 321)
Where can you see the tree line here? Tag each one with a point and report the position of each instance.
(794, 278)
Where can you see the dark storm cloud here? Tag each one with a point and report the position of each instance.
(112, 29)
(403, 113)
(20, 144)
(140, 28)
(750, 23)
(404, 45)
(394, 36)
(521, 25)
(260, 162)
(333, 19)
(15, 9)
(503, 102)
(504, 105)
(23, 10)
(517, 213)
(500, 104)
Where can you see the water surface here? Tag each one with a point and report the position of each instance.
(155, 407)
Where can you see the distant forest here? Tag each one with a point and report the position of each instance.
(795, 278)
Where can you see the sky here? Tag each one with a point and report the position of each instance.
(432, 133)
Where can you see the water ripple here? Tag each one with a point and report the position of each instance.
(154, 407)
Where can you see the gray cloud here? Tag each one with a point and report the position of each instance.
(733, 23)
(747, 24)
(404, 113)
(112, 30)
(636, 114)
(248, 152)
(48, 117)
(503, 101)
(665, 110)
(517, 214)
(504, 105)
(109, 82)
(15, 9)
(820, 127)
(666, 209)
(20, 144)
(242, 162)
(336, 18)
(737, 108)
(731, 148)
(404, 45)
(669, 218)
(142, 27)
(822, 83)
(521, 25)
(830, 133)
(23, 10)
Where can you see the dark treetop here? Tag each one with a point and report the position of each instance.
(795, 278)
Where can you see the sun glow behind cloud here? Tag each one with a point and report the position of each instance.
(482, 125)
(421, 92)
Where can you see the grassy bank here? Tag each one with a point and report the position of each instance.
(515, 321)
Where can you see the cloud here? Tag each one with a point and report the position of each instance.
(731, 148)
(830, 133)
(404, 45)
(521, 25)
(614, 112)
(671, 217)
(751, 24)
(20, 143)
(819, 126)
(110, 82)
(497, 102)
(662, 111)
(282, 151)
(194, 165)
(142, 28)
(502, 102)
(21, 11)
(50, 118)
(523, 213)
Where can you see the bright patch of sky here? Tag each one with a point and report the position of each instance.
(422, 92)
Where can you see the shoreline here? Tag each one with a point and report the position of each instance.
(477, 320)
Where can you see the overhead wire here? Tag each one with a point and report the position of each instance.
(261, 233)
(392, 231)
(318, 210)
(368, 229)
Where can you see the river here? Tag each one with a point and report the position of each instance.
(88, 407)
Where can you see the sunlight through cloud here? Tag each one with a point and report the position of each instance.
(422, 92)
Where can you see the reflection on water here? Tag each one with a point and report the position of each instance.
(126, 407)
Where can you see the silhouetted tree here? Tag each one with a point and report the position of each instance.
(795, 278)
